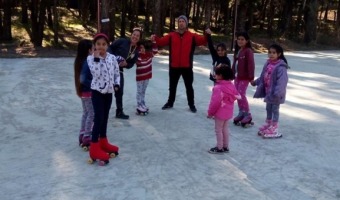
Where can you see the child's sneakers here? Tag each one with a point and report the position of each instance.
(215, 150)
(272, 131)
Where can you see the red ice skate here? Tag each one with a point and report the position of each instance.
(96, 152)
(112, 150)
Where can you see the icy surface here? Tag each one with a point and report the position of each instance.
(164, 155)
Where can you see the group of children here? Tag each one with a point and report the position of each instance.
(271, 85)
(97, 77)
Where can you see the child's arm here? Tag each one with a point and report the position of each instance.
(282, 81)
(211, 47)
(116, 74)
(215, 101)
(238, 96)
(84, 78)
(94, 66)
(250, 64)
(154, 48)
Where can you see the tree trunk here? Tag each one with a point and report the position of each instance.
(326, 12)
(286, 17)
(207, 13)
(311, 20)
(41, 24)
(299, 23)
(112, 16)
(84, 10)
(38, 18)
(7, 25)
(173, 10)
(34, 21)
(24, 12)
(338, 20)
(55, 23)
(164, 14)
(49, 16)
(226, 14)
(134, 14)
(148, 9)
(263, 13)
(123, 21)
(156, 18)
(241, 16)
(104, 17)
(270, 18)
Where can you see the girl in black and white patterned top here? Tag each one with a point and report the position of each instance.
(105, 72)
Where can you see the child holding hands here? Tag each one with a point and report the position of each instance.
(271, 86)
(221, 106)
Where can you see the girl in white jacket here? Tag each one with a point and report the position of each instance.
(105, 71)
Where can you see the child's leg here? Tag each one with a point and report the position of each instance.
(225, 132)
(273, 130)
(139, 94)
(269, 110)
(219, 132)
(145, 85)
(89, 117)
(83, 117)
(106, 111)
(276, 112)
(241, 86)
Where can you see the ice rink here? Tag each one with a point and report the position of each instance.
(163, 156)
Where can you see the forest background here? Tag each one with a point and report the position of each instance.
(52, 28)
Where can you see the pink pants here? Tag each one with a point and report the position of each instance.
(222, 133)
(241, 86)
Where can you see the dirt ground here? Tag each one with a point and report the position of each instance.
(24, 49)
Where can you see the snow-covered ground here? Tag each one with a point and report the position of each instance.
(164, 155)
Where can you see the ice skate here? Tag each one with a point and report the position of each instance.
(80, 139)
(112, 150)
(272, 132)
(140, 110)
(85, 143)
(97, 154)
(238, 118)
(265, 126)
(145, 107)
(247, 121)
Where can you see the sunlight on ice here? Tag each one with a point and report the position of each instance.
(62, 163)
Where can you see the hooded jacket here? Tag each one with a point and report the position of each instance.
(222, 100)
(278, 84)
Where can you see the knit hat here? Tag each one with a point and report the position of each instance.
(184, 18)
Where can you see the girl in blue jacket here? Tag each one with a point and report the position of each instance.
(82, 79)
(272, 86)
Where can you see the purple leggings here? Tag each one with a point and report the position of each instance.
(241, 87)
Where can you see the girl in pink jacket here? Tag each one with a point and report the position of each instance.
(221, 106)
